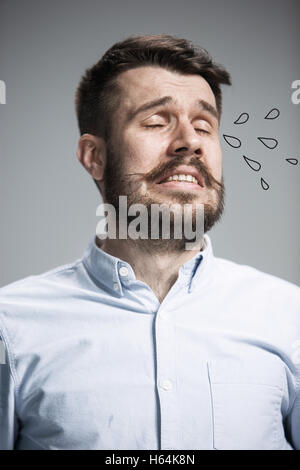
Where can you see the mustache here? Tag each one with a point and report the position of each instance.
(161, 171)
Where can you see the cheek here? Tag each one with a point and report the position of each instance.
(143, 152)
(214, 160)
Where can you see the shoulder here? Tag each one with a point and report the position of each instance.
(246, 277)
(29, 284)
(31, 296)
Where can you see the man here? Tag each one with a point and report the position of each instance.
(142, 343)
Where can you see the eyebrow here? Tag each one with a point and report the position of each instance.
(202, 104)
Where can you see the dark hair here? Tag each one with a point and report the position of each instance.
(97, 93)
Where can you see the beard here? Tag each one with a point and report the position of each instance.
(137, 187)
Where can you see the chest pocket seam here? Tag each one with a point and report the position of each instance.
(275, 394)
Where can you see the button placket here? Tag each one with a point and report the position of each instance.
(166, 381)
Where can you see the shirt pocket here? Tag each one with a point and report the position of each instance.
(246, 404)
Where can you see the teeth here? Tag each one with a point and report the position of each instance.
(188, 178)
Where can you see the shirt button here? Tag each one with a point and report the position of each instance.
(116, 286)
(123, 271)
(166, 385)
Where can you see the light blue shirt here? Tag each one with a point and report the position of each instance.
(94, 361)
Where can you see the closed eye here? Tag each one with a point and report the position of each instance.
(202, 130)
(155, 125)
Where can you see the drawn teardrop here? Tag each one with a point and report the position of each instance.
(264, 184)
(254, 165)
(268, 142)
(273, 114)
(293, 161)
(232, 141)
(242, 118)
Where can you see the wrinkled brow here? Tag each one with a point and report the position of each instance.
(202, 104)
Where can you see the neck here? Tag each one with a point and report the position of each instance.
(158, 268)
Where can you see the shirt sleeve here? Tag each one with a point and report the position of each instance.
(8, 417)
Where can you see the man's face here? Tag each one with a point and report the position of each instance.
(166, 124)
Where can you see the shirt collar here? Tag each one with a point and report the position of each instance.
(106, 269)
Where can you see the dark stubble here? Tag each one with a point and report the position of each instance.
(119, 183)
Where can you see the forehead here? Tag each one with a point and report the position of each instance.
(147, 83)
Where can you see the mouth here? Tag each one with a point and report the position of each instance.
(183, 178)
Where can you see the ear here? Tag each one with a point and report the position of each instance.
(91, 153)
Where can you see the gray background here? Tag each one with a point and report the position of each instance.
(48, 201)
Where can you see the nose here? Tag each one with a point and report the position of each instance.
(186, 141)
